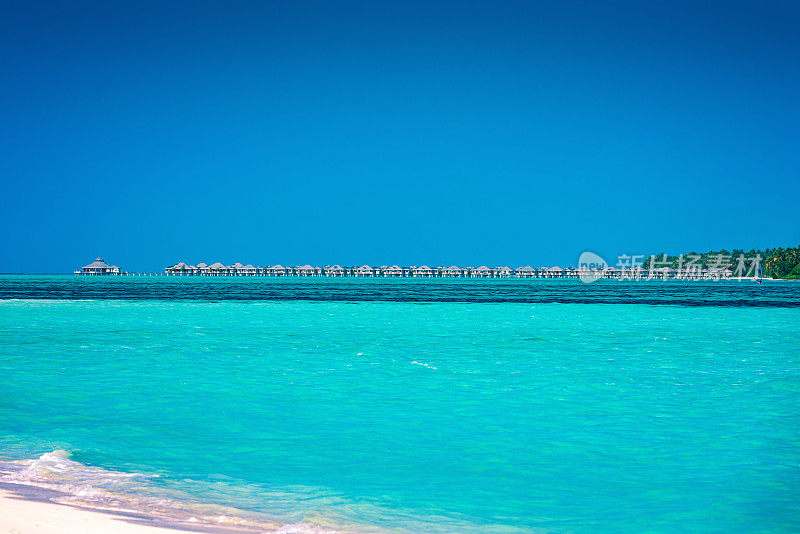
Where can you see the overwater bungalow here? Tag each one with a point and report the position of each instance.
(180, 268)
(503, 272)
(394, 272)
(481, 272)
(334, 270)
(525, 272)
(276, 270)
(658, 273)
(98, 267)
(453, 271)
(715, 273)
(363, 271)
(307, 270)
(218, 269)
(422, 272)
(610, 272)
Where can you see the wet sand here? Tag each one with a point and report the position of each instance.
(31, 510)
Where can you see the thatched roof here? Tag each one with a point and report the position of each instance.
(526, 269)
(216, 266)
(202, 266)
(98, 263)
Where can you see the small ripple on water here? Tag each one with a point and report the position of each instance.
(418, 291)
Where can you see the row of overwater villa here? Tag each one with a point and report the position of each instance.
(395, 271)
(100, 267)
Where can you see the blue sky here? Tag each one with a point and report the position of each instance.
(382, 133)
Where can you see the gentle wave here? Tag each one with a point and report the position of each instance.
(93, 487)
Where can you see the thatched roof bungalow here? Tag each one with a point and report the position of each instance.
(554, 272)
(481, 272)
(364, 270)
(452, 271)
(98, 267)
(423, 271)
(276, 270)
(659, 273)
(394, 271)
(525, 272)
(217, 269)
(503, 272)
(202, 269)
(307, 270)
(182, 269)
(334, 270)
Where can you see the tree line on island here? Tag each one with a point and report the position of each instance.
(777, 262)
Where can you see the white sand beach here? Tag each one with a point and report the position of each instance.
(22, 513)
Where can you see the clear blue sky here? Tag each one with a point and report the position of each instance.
(394, 132)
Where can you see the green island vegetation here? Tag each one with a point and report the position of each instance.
(774, 262)
(783, 263)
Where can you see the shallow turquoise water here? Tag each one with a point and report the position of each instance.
(427, 416)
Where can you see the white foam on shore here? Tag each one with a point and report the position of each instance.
(93, 487)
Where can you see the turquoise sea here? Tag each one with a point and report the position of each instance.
(432, 406)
